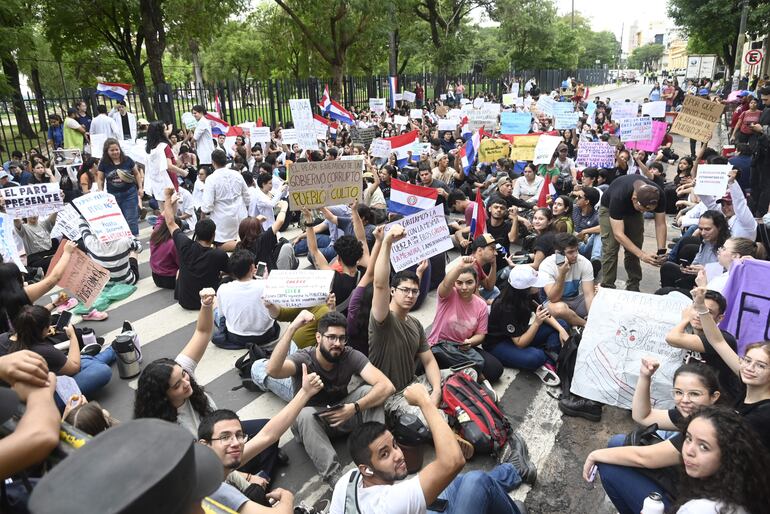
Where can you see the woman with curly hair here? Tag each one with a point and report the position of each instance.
(167, 388)
(725, 471)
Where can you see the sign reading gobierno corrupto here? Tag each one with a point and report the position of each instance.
(324, 183)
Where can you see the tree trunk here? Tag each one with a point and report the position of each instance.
(336, 85)
(194, 51)
(42, 118)
(154, 39)
(11, 70)
(393, 52)
(141, 86)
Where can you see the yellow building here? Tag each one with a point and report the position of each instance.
(677, 54)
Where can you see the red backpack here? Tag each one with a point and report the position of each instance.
(488, 428)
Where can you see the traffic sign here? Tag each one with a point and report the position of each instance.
(753, 57)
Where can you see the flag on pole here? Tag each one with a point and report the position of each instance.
(217, 105)
(393, 86)
(470, 151)
(407, 199)
(402, 145)
(479, 219)
(546, 190)
(333, 109)
(114, 90)
(218, 126)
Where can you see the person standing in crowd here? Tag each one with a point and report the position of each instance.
(74, 132)
(760, 167)
(226, 200)
(104, 125)
(204, 140)
(125, 120)
(55, 132)
(123, 180)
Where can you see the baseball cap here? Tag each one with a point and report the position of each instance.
(143, 465)
(524, 277)
(367, 174)
(727, 198)
(3, 174)
(648, 196)
(482, 241)
(9, 403)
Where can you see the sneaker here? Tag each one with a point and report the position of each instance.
(318, 507)
(466, 447)
(547, 376)
(521, 507)
(92, 349)
(580, 407)
(516, 452)
(95, 315)
(490, 390)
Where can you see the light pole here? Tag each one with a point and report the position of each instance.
(739, 45)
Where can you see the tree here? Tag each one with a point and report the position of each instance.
(14, 36)
(526, 28)
(237, 52)
(599, 46)
(644, 57)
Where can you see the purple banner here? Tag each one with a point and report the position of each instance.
(748, 303)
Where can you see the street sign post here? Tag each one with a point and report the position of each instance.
(753, 57)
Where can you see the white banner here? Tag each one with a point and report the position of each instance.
(654, 109)
(408, 96)
(380, 148)
(415, 114)
(8, 248)
(33, 200)
(623, 327)
(636, 129)
(427, 235)
(400, 120)
(304, 124)
(259, 134)
(377, 105)
(289, 136)
(622, 110)
(298, 288)
(103, 215)
(444, 125)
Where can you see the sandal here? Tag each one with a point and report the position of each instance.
(95, 315)
(466, 447)
(547, 376)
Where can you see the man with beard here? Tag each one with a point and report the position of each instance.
(334, 411)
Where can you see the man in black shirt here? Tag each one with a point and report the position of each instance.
(500, 226)
(621, 222)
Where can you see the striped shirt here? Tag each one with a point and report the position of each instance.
(114, 256)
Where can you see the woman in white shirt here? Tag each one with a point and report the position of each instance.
(733, 250)
(528, 185)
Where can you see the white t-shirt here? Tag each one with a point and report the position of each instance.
(226, 198)
(103, 124)
(263, 205)
(197, 193)
(204, 140)
(581, 271)
(404, 497)
(526, 191)
(186, 205)
(186, 416)
(241, 305)
(703, 506)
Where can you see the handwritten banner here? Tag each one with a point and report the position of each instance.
(377, 105)
(259, 134)
(427, 235)
(444, 125)
(492, 149)
(595, 155)
(362, 136)
(67, 223)
(652, 145)
(304, 123)
(32, 200)
(486, 116)
(523, 147)
(545, 105)
(8, 248)
(380, 148)
(298, 288)
(712, 179)
(103, 215)
(515, 122)
(622, 110)
(566, 120)
(408, 96)
(318, 184)
(697, 119)
(636, 129)
(415, 114)
(82, 277)
(400, 120)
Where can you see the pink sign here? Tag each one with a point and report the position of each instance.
(652, 145)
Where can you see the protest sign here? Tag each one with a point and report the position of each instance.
(418, 148)
(82, 278)
(408, 96)
(359, 158)
(515, 89)
(595, 155)
(362, 136)
(454, 114)
(69, 162)
(523, 147)
(509, 99)
(636, 129)
(427, 235)
(444, 125)
(380, 148)
(415, 114)
(486, 116)
(515, 122)
(546, 146)
(442, 97)
(304, 123)
(492, 149)
(134, 149)
(259, 134)
(103, 215)
(654, 109)
(189, 121)
(622, 110)
(317, 184)
(561, 108)
(567, 120)
(623, 327)
(8, 248)
(97, 144)
(400, 120)
(651, 145)
(590, 109)
(697, 118)
(748, 302)
(377, 105)
(442, 111)
(712, 179)
(545, 105)
(298, 288)
(33, 200)
(289, 136)
(67, 223)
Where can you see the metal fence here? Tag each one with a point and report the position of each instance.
(253, 100)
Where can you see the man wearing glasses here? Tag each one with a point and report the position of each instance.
(334, 411)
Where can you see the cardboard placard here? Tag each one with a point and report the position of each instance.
(67, 223)
(259, 134)
(652, 145)
(595, 155)
(712, 179)
(545, 105)
(362, 136)
(298, 288)
(636, 129)
(400, 120)
(69, 161)
(485, 117)
(546, 146)
(444, 125)
(289, 137)
(33, 200)
(377, 105)
(523, 147)
(427, 235)
(380, 148)
(515, 122)
(8, 248)
(509, 99)
(408, 96)
(103, 215)
(697, 119)
(304, 123)
(415, 114)
(492, 149)
(319, 184)
(82, 278)
(622, 110)
(567, 120)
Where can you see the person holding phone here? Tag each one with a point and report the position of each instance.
(569, 291)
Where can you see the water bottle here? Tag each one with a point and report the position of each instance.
(471, 431)
(653, 504)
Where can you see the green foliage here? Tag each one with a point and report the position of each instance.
(643, 57)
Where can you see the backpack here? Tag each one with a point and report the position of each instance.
(565, 364)
(490, 429)
(243, 365)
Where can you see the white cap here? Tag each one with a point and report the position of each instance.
(525, 276)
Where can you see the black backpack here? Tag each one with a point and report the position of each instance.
(565, 364)
(243, 365)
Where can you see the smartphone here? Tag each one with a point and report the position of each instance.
(559, 259)
(261, 269)
(520, 258)
(683, 263)
(64, 320)
(661, 251)
(329, 408)
(439, 505)
(535, 304)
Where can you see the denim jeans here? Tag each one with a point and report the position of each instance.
(95, 372)
(481, 492)
(673, 255)
(592, 248)
(281, 387)
(625, 486)
(300, 248)
(128, 201)
(533, 356)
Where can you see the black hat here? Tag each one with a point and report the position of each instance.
(482, 241)
(9, 403)
(144, 465)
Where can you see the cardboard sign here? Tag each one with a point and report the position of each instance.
(652, 145)
(103, 215)
(33, 200)
(318, 184)
(189, 121)
(418, 148)
(380, 148)
(562, 108)
(697, 119)
(408, 96)
(8, 248)
(595, 155)
(623, 327)
(453, 114)
(523, 147)
(515, 122)
(298, 288)
(415, 114)
(485, 117)
(509, 99)
(566, 120)
(636, 129)
(259, 134)
(622, 110)
(444, 125)
(67, 223)
(545, 105)
(362, 136)
(492, 149)
(712, 179)
(400, 120)
(82, 278)
(377, 105)
(427, 235)
(590, 109)
(304, 123)
(748, 302)
(69, 162)
(135, 149)
(546, 146)
(654, 109)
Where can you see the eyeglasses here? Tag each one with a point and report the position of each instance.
(578, 197)
(692, 395)
(408, 291)
(336, 339)
(227, 437)
(760, 366)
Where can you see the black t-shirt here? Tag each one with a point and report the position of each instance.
(675, 416)
(199, 267)
(112, 178)
(758, 416)
(617, 197)
(505, 322)
(500, 233)
(264, 247)
(53, 357)
(344, 284)
(544, 243)
(729, 382)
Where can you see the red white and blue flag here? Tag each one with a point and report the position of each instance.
(393, 87)
(546, 190)
(470, 151)
(479, 219)
(218, 126)
(333, 109)
(401, 145)
(408, 199)
(114, 90)
(322, 124)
